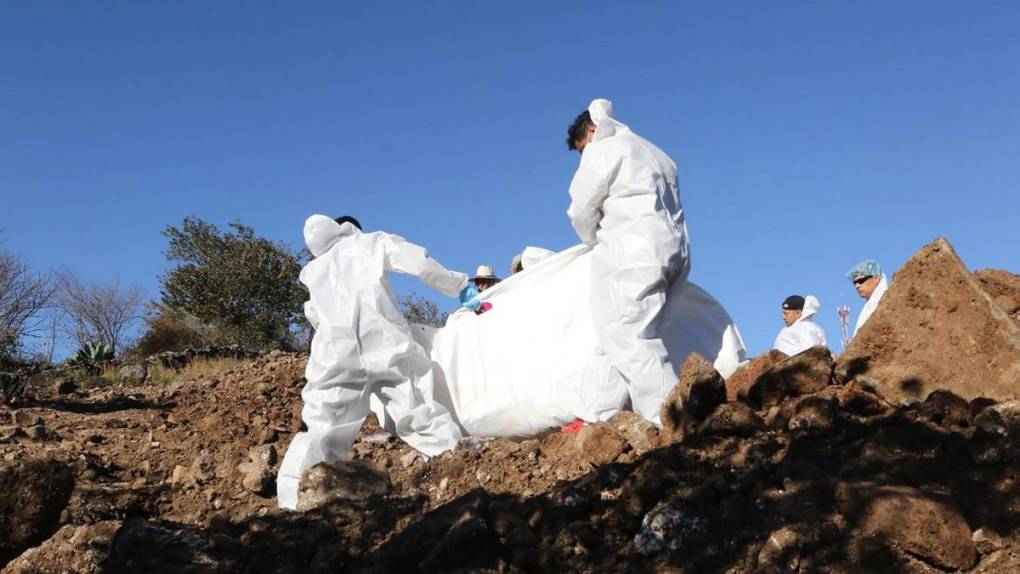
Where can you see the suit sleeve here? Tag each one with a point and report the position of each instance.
(589, 190)
(403, 256)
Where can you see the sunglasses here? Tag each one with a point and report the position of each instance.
(861, 280)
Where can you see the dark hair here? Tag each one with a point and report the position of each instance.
(348, 219)
(579, 129)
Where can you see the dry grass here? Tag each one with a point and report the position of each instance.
(197, 370)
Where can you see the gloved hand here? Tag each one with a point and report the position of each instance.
(474, 303)
(468, 293)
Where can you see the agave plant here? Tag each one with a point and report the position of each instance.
(90, 356)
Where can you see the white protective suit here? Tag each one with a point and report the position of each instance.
(872, 303)
(624, 202)
(804, 333)
(363, 346)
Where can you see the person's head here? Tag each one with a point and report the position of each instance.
(580, 133)
(793, 308)
(865, 276)
(348, 219)
(484, 278)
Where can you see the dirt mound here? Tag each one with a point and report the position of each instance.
(792, 465)
(823, 476)
(937, 328)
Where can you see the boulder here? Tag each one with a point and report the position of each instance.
(739, 383)
(772, 377)
(72, 549)
(636, 430)
(344, 480)
(905, 521)
(936, 328)
(600, 443)
(133, 373)
(732, 419)
(801, 374)
(33, 494)
(162, 547)
(700, 390)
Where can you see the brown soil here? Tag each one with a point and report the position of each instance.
(935, 328)
(1004, 289)
(811, 490)
(804, 469)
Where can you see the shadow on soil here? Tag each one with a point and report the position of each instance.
(713, 503)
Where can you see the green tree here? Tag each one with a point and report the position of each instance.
(244, 287)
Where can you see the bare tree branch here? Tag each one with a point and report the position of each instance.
(98, 312)
(24, 296)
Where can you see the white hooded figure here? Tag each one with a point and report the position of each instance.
(802, 333)
(625, 203)
(363, 346)
(871, 284)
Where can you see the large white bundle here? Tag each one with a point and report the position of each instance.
(532, 362)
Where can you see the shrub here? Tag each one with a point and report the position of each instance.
(244, 287)
(171, 330)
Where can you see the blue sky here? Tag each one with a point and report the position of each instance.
(808, 135)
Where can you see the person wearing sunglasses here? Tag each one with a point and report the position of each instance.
(871, 284)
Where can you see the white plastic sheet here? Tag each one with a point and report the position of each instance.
(532, 362)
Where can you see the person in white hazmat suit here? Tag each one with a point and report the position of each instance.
(363, 346)
(800, 333)
(625, 203)
(871, 284)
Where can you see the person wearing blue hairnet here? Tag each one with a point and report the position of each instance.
(625, 204)
(363, 346)
(871, 284)
(800, 333)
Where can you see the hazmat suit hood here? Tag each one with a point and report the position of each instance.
(811, 306)
(601, 112)
(803, 333)
(322, 232)
(872, 303)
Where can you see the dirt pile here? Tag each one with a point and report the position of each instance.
(824, 476)
(936, 328)
(791, 465)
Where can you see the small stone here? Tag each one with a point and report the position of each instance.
(409, 458)
(41, 432)
(665, 527)
(25, 419)
(264, 454)
(986, 540)
(181, 476)
(256, 478)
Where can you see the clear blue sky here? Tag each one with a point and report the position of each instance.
(809, 135)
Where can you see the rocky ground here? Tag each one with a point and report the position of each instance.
(802, 464)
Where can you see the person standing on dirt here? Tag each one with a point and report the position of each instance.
(800, 333)
(871, 284)
(625, 204)
(363, 346)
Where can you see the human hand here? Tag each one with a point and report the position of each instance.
(468, 293)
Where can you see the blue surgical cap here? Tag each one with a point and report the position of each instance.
(866, 268)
